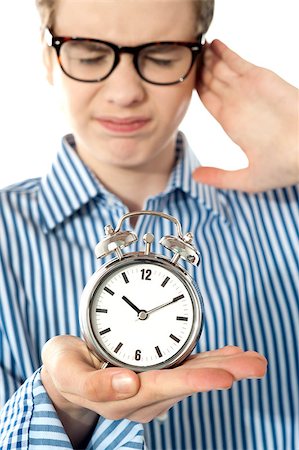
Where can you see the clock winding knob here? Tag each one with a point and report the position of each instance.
(182, 248)
(114, 242)
(148, 239)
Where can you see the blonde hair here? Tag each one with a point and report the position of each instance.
(46, 10)
(204, 10)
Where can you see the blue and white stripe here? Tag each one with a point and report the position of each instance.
(248, 279)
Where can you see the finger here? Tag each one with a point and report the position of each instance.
(212, 356)
(227, 350)
(218, 67)
(233, 60)
(159, 389)
(79, 379)
(240, 364)
(212, 372)
(221, 71)
(209, 58)
(210, 100)
(162, 389)
(225, 179)
(158, 410)
(214, 84)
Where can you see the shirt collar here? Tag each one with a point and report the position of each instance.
(69, 185)
(181, 179)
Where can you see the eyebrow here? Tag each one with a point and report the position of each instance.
(87, 44)
(163, 48)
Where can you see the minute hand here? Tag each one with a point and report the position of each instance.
(165, 304)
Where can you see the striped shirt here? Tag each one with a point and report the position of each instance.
(248, 278)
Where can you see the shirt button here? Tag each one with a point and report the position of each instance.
(162, 418)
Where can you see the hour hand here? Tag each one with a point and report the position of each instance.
(131, 304)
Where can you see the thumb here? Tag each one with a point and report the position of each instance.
(105, 385)
(71, 368)
(224, 179)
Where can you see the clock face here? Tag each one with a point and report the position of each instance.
(144, 315)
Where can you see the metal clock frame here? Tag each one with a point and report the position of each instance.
(130, 259)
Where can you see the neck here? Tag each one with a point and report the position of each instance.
(134, 188)
(133, 185)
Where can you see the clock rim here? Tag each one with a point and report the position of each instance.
(130, 259)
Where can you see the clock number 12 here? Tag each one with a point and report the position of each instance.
(146, 274)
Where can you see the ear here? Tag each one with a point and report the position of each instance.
(200, 65)
(48, 63)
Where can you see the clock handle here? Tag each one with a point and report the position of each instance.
(151, 213)
(180, 245)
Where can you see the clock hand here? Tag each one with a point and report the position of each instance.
(131, 304)
(179, 297)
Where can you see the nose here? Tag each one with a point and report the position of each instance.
(124, 87)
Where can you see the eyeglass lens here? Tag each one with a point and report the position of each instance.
(87, 60)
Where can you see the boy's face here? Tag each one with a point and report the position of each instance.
(96, 111)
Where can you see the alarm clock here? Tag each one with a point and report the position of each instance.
(142, 310)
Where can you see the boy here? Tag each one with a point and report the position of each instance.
(125, 154)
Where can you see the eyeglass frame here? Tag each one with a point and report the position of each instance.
(57, 41)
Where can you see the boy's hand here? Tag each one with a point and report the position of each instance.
(74, 382)
(259, 111)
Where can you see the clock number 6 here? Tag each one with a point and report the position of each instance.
(138, 355)
(146, 274)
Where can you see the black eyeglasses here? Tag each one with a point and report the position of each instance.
(93, 60)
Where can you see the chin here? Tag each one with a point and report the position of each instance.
(126, 162)
(127, 158)
(129, 152)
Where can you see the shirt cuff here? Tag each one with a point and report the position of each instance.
(29, 421)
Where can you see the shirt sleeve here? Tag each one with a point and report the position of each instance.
(29, 421)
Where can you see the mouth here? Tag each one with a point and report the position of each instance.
(124, 124)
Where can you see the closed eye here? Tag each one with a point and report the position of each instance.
(160, 62)
(92, 61)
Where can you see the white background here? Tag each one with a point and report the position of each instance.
(262, 31)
